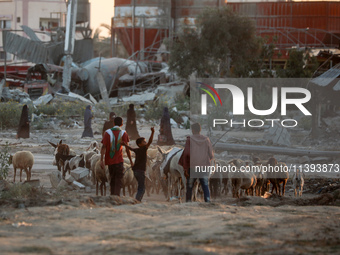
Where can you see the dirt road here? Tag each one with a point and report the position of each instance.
(171, 228)
(75, 222)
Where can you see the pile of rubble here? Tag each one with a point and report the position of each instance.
(78, 179)
(15, 95)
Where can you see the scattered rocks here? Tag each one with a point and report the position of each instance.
(88, 189)
(173, 123)
(55, 178)
(43, 100)
(78, 185)
(69, 178)
(16, 95)
(80, 173)
(62, 184)
(77, 180)
(33, 183)
(85, 181)
(113, 200)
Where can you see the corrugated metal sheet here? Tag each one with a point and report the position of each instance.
(337, 86)
(22, 47)
(31, 34)
(328, 77)
(83, 50)
(83, 11)
(40, 52)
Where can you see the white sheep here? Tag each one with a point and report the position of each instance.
(94, 159)
(101, 178)
(94, 146)
(73, 163)
(23, 160)
(128, 180)
(77, 161)
(87, 158)
(298, 182)
(242, 180)
(153, 154)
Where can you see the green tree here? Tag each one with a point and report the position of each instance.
(260, 67)
(299, 65)
(102, 45)
(222, 40)
(4, 161)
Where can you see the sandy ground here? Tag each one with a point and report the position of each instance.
(75, 222)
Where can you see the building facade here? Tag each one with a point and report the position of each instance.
(142, 24)
(40, 15)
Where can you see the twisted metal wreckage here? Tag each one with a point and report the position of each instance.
(100, 77)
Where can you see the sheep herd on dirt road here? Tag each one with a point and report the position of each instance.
(166, 176)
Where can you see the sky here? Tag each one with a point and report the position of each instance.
(101, 12)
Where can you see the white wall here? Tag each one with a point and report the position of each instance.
(29, 12)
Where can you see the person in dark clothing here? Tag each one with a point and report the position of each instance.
(24, 124)
(110, 123)
(87, 122)
(112, 149)
(165, 137)
(139, 167)
(131, 126)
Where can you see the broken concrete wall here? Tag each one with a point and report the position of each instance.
(278, 135)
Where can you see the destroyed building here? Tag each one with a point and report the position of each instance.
(142, 27)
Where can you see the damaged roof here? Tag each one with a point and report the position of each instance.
(44, 52)
(328, 77)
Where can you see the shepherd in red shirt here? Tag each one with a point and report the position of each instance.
(113, 150)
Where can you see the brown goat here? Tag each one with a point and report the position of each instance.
(279, 177)
(242, 180)
(61, 150)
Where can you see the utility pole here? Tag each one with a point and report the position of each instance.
(69, 42)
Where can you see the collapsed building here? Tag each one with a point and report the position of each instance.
(141, 27)
(46, 48)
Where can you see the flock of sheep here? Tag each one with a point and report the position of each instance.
(67, 160)
(168, 180)
(258, 182)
